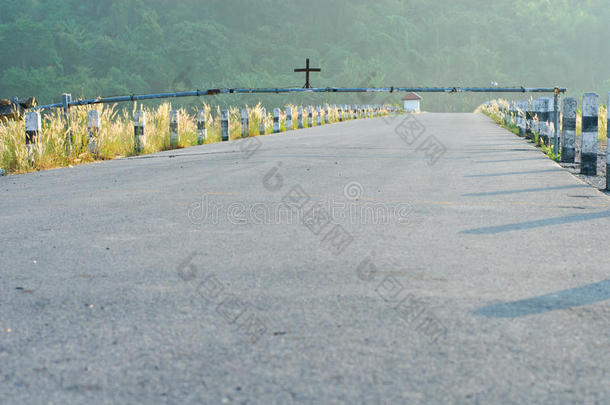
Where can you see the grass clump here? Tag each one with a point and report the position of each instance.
(115, 138)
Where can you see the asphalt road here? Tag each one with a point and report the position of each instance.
(352, 263)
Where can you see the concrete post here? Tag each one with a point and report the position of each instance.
(139, 131)
(608, 146)
(318, 115)
(310, 116)
(244, 123)
(529, 119)
(202, 131)
(66, 99)
(340, 113)
(522, 106)
(276, 120)
(300, 118)
(326, 119)
(262, 128)
(224, 125)
(568, 130)
(555, 121)
(543, 119)
(518, 116)
(174, 122)
(33, 126)
(588, 149)
(536, 115)
(93, 127)
(288, 118)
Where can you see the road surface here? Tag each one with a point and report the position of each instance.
(442, 260)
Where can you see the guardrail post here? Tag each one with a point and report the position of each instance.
(288, 118)
(555, 121)
(310, 116)
(245, 130)
(588, 149)
(139, 130)
(66, 99)
(276, 120)
(33, 126)
(568, 130)
(548, 110)
(340, 113)
(262, 128)
(608, 146)
(522, 107)
(354, 113)
(174, 122)
(326, 119)
(318, 115)
(224, 125)
(93, 127)
(202, 131)
(529, 119)
(543, 119)
(549, 120)
(300, 118)
(518, 105)
(537, 107)
(536, 114)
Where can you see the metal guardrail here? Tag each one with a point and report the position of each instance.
(212, 92)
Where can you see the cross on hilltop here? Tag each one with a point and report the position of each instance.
(307, 69)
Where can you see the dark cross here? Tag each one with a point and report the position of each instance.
(307, 69)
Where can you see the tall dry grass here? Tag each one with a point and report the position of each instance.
(115, 138)
(494, 111)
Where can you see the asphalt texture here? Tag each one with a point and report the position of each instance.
(420, 259)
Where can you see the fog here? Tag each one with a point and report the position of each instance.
(120, 47)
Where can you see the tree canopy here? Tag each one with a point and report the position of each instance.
(112, 47)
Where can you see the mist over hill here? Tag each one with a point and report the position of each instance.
(112, 47)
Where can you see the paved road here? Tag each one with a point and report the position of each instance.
(184, 278)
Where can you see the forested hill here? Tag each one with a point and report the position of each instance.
(110, 47)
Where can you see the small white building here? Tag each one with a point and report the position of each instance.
(411, 101)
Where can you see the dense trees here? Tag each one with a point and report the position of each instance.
(110, 47)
